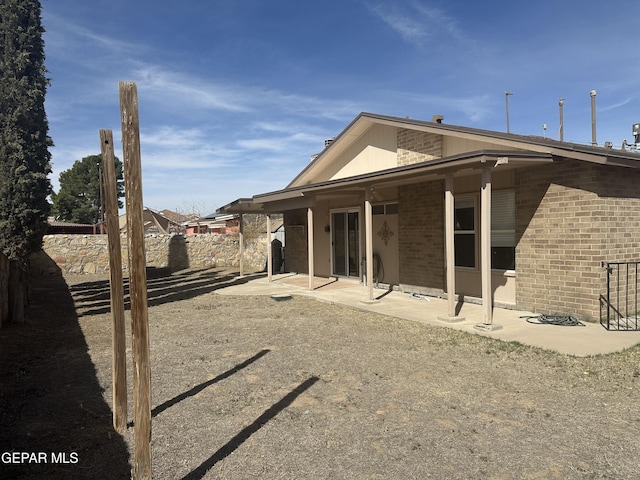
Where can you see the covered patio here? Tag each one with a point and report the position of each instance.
(359, 192)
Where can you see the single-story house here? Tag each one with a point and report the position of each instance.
(56, 227)
(422, 206)
(213, 223)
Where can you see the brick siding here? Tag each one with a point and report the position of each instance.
(570, 217)
(415, 147)
(421, 237)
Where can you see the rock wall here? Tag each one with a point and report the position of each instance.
(76, 254)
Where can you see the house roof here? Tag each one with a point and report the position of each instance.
(151, 219)
(518, 150)
(509, 140)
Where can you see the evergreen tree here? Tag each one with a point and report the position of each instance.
(79, 199)
(24, 155)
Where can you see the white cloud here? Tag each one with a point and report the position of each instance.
(617, 105)
(417, 22)
(409, 27)
(184, 90)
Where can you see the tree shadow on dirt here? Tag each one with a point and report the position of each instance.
(93, 298)
(50, 398)
(233, 444)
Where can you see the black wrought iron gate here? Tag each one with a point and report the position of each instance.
(619, 306)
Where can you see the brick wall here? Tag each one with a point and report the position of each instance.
(570, 217)
(421, 237)
(296, 256)
(414, 147)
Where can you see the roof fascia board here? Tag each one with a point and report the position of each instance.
(437, 166)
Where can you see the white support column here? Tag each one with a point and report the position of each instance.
(269, 252)
(485, 248)
(449, 227)
(241, 240)
(368, 225)
(310, 244)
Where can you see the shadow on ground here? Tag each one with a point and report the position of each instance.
(51, 403)
(233, 444)
(92, 298)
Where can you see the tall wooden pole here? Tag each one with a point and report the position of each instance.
(137, 280)
(119, 360)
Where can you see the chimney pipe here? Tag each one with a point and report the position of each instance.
(561, 104)
(593, 118)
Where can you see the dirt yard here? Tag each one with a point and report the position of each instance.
(250, 387)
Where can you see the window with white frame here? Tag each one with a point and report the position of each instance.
(503, 230)
(465, 231)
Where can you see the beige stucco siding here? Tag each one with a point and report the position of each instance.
(374, 150)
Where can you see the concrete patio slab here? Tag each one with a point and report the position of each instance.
(508, 325)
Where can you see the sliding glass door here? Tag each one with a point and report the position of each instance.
(345, 243)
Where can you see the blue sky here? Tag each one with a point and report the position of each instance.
(236, 95)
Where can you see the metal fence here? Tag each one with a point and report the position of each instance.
(619, 306)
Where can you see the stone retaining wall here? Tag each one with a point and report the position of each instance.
(74, 254)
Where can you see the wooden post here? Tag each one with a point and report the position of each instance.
(368, 225)
(137, 280)
(310, 246)
(449, 237)
(241, 239)
(485, 247)
(269, 252)
(119, 360)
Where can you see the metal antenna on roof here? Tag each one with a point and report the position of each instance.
(506, 101)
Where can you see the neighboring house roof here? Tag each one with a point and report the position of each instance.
(152, 221)
(56, 227)
(175, 216)
(212, 221)
(508, 149)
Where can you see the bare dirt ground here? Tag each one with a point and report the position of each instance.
(250, 387)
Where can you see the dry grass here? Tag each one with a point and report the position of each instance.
(248, 387)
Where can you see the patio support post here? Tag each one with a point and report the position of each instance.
(241, 241)
(449, 227)
(269, 252)
(310, 243)
(485, 249)
(368, 221)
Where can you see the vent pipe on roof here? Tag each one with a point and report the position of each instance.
(328, 141)
(437, 118)
(561, 104)
(593, 118)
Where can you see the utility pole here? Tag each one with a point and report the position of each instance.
(506, 100)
